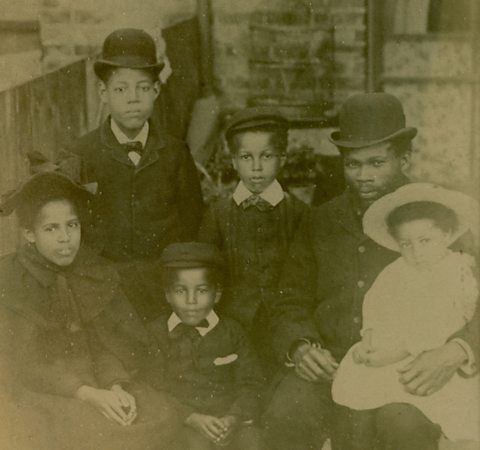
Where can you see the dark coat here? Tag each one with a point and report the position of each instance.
(184, 365)
(60, 330)
(138, 210)
(331, 266)
(254, 245)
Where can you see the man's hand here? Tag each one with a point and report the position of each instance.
(313, 363)
(432, 369)
(105, 401)
(211, 427)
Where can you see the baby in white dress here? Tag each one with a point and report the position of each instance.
(416, 304)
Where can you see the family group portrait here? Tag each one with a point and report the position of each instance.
(239, 225)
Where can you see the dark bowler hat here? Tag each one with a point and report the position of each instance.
(128, 47)
(255, 117)
(367, 119)
(39, 186)
(190, 255)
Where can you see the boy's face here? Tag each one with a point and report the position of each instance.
(371, 172)
(256, 161)
(192, 295)
(421, 242)
(130, 95)
(56, 232)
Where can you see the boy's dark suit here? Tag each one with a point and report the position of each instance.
(215, 374)
(138, 210)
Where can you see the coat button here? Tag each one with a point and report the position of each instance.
(356, 320)
(360, 283)
(361, 249)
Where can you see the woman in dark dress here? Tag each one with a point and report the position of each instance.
(69, 340)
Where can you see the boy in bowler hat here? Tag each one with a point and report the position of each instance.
(254, 227)
(147, 189)
(317, 315)
(204, 360)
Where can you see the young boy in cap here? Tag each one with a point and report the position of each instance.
(203, 360)
(147, 189)
(254, 227)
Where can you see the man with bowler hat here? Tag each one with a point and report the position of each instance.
(317, 314)
(147, 192)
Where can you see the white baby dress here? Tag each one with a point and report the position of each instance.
(420, 309)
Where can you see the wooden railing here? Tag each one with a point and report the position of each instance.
(41, 115)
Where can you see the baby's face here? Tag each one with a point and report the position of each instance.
(421, 242)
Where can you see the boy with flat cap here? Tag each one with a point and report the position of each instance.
(147, 189)
(254, 227)
(317, 315)
(202, 359)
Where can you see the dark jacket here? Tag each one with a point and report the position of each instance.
(138, 210)
(254, 245)
(188, 368)
(61, 330)
(331, 266)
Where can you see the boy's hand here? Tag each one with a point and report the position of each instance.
(313, 363)
(231, 423)
(105, 401)
(128, 402)
(211, 427)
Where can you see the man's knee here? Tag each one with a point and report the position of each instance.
(296, 401)
(401, 422)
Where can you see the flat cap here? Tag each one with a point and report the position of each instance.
(190, 255)
(255, 117)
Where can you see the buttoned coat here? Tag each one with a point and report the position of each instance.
(331, 266)
(138, 210)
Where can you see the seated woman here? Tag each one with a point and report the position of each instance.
(69, 338)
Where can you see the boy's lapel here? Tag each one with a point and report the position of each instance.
(155, 142)
(115, 149)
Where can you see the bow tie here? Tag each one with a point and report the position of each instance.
(133, 146)
(183, 329)
(258, 202)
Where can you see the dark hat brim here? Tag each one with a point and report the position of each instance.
(102, 64)
(10, 200)
(404, 133)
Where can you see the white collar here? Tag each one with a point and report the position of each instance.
(122, 138)
(273, 194)
(211, 318)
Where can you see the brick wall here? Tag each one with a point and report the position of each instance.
(238, 43)
(71, 29)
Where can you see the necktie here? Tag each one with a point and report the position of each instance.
(257, 202)
(134, 150)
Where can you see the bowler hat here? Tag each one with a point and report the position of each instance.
(128, 47)
(367, 119)
(375, 219)
(190, 255)
(255, 117)
(41, 185)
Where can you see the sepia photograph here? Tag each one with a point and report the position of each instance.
(239, 225)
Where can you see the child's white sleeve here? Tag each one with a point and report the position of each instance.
(467, 295)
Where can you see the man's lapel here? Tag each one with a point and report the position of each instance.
(345, 214)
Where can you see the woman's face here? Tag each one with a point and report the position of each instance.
(56, 232)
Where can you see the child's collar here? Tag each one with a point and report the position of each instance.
(273, 194)
(211, 318)
(122, 138)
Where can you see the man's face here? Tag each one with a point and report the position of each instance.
(130, 95)
(371, 172)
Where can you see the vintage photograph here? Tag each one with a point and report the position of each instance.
(242, 225)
